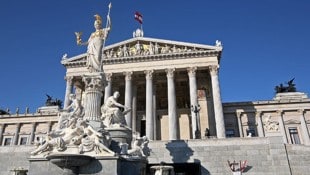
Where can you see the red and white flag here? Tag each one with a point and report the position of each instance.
(138, 17)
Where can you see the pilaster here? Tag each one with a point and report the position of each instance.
(15, 141)
(260, 128)
(32, 134)
(282, 126)
(304, 128)
(2, 126)
(239, 119)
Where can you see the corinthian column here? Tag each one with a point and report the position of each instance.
(304, 129)
(69, 86)
(149, 104)
(128, 97)
(172, 107)
(218, 108)
(93, 94)
(194, 100)
(108, 87)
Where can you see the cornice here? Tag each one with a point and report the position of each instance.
(81, 59)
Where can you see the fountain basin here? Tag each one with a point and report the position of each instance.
(69, 160)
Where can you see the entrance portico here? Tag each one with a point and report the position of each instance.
(161, 87)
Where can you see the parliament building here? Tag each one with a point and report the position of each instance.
(173, 90)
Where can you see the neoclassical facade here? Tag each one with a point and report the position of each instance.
(173, 91)
(161, 81)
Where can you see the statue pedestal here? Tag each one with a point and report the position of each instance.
(119, 135)
(290, 96)
(81, 164)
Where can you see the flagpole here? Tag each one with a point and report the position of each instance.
(105, 32)
(106, 25)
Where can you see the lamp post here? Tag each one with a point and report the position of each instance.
(196, 110)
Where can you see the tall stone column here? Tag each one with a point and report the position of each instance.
(218, 108)
(108, 87)
(32, 134)
(93, 92)
(193, 97)
(69, 86)
(260, 128)
(239, 115)
(154, 112)
(128, 97)
(134, 109)
(15, 142)
(281, 126)
(304, 128)
(149, 104)
(172, 107)
(2, 126)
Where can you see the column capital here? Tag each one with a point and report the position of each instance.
(69, 79)
(214, 69)
(301, 111)
(108, 76)
(191, 71)
(170, 72)
(149, 74)
(93, 82)
(258, 113)
(239, 113)
(128, 75)
(280, 112)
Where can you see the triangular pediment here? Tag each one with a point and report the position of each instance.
(149, 47)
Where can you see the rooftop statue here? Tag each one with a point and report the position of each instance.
(3, 112)
(51, 102)
(111, 113)
(95, 43)
(289, 88)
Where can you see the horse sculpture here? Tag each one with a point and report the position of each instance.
(289, 88)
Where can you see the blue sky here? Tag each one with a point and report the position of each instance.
(266, 42)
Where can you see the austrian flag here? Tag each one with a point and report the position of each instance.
(138, 17)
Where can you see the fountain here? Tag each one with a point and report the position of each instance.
(90, 138)
(69, 163)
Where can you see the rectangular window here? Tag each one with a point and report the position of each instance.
(230, 133)
(294, 135)
(7, 141)
(23, 141)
